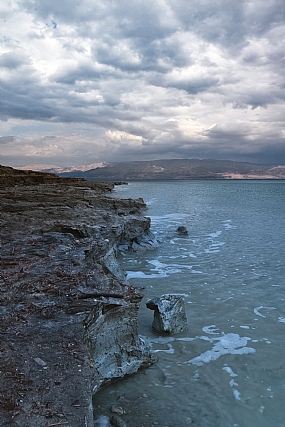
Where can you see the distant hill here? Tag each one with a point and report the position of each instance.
(59, 170)
(178, 169)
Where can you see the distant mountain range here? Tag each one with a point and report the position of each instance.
(58, 170)
(168, 170)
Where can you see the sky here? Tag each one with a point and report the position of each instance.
(85, 81)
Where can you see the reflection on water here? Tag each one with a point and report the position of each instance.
(228, 369)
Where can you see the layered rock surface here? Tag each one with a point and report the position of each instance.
(68, 316)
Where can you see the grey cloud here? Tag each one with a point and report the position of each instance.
(77, 73)
(143, 68)
(264, 16)
(273, 154)
(190, 85)
(14, 59)
(66, 10)
(6, 139)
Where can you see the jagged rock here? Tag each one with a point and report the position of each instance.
(136, 236)
(169, 314)
(182, 231)
(116, 349)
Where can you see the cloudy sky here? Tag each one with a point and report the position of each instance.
(85, 81)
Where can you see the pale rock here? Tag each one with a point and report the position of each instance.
(169, 314)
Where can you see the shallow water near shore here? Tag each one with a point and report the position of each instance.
(228, 369)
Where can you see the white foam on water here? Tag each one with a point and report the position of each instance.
(229, 371)
(227, 224)
(217, 244)
(232, 383)
(214, 235)
(102, 421)
(211, 251)
(281, 319)
(161, 270)
(237, 394)
(210, 329)
(164, 270)
(169, 351)
(261, 409)
(191, 255)
(227, 344)
(142, 275)
(244, 327)
(256, 310)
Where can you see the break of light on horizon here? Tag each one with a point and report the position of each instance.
(90, 81)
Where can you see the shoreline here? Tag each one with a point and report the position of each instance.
(69, 316)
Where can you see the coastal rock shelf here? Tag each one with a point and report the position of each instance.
(68, 315)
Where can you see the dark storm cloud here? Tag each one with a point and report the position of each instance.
(163, 77)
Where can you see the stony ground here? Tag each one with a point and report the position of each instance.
(57, 260)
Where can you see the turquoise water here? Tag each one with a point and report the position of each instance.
(228, 369)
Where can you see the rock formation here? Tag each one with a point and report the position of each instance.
(68, 316)
(182, 231)
(169, 314)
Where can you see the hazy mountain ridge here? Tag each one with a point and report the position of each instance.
(58, 169)
(180, 169)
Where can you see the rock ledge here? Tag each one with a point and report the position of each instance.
(68, 316)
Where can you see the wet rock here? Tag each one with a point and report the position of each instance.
(136, 236)
(182, 231)
(117, 410)
(117, 421)
(169, 314)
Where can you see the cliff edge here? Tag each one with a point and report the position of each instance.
(68, 315)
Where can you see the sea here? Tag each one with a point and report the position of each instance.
(228, 368)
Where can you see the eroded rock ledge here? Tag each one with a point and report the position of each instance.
(68, 316)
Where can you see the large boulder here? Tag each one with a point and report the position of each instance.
(169, 314)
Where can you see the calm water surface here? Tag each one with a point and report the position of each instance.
(228, 369)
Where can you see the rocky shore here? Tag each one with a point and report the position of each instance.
(68, 315)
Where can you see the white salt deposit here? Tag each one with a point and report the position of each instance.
(227, 344)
